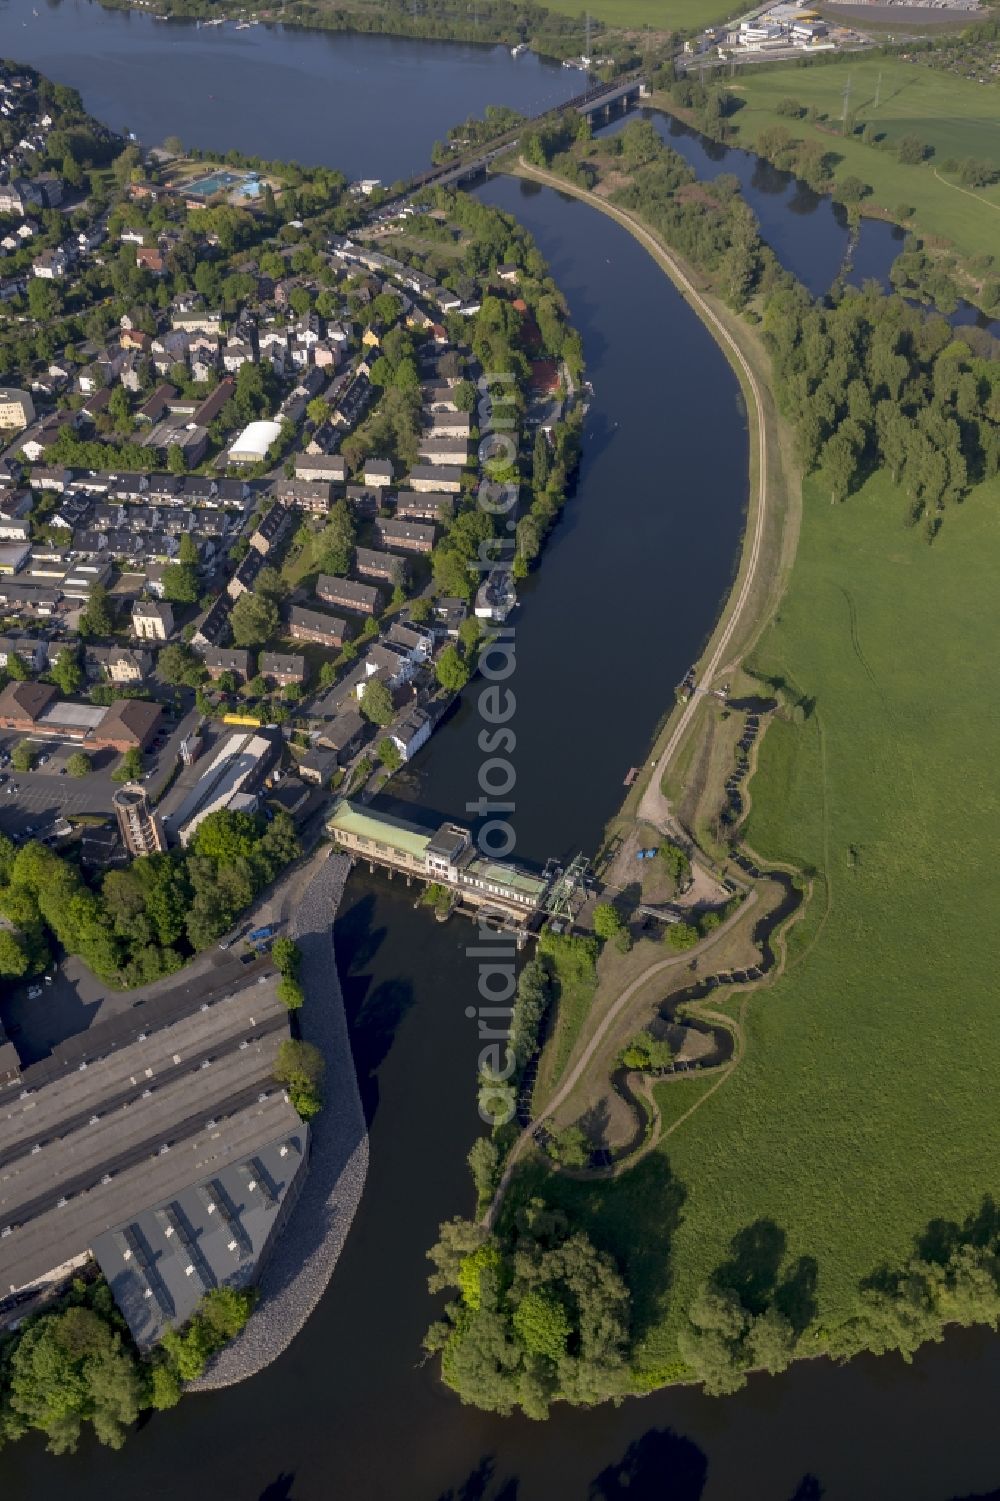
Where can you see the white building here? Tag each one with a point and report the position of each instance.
(253, 442)
(16, 408)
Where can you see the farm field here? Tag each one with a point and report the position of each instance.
(864, 1106)
(959, 119)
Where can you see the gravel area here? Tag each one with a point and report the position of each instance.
(302, 1262)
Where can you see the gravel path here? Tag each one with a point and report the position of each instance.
(304, 1257)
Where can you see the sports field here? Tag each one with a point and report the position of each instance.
(956, 117)
(865, 1104)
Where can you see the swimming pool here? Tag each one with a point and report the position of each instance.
(215, 182)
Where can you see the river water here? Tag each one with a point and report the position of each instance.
(630, 586)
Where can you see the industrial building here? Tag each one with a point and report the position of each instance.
(157, 1141)
(230, 780)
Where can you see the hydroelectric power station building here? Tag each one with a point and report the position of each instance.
(447, 857)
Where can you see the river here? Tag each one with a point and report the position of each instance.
(629, 587)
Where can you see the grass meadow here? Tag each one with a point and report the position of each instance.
(865, 1104)
(956, 117)
(659, 15)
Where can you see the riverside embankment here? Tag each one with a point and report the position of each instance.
(304, 1259)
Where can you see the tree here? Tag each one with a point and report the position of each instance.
(176, 462)
(287, 956)
(840, 463)
(299, 1066)
(14, 958)
(17, 667)
(179, 665)
(608, 921)
(129, 768)
(23, 757)
(680, 936)
(451, 670)
(180, 583)
(713, 1342)
(290, 992)
(318, 411)
(69, 1368)
(389, 754)
(484, 1160)
(376, 702)
(646, 1052)
(78, 764)
(174, 145)
(570, 1147)
(66, 671)
(911, 150)
(676, 861)
(98, 618)
(254, 619)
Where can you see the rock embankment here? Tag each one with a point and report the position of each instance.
(305, 1255)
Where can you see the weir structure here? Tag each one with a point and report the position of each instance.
(516, 897)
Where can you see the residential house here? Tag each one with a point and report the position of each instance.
(282, 668)
(51, 265)
(236, 353)
(328, 469)
(394, 667)
(407, 536)
(270, 529)
(449, 613)
(17, 410)
(436, 477)
(149, 258)
(34, 653)
(344, 734)
(155, 408)
(215, 627)
(378, 473)
(317, 626)
(217, 661)
(410, 731)
(313, 496)
(318, 766)
(362, 501)
(243, 579)
(426, 505)
(438, 451)
(449, 425)
(414, 639)
(374, 563)
(345, 594)
(152, 620)
(116, 664)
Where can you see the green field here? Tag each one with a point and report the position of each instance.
(660, 15)
(957, 118)
(865, 1104)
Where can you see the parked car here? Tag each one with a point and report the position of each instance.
(34, 991)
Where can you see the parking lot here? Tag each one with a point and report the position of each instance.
(49, 792)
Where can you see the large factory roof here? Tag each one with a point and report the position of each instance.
(162, 1098)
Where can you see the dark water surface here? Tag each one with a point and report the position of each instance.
(371, 106)
(629, 587)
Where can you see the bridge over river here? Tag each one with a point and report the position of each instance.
(598, 104)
